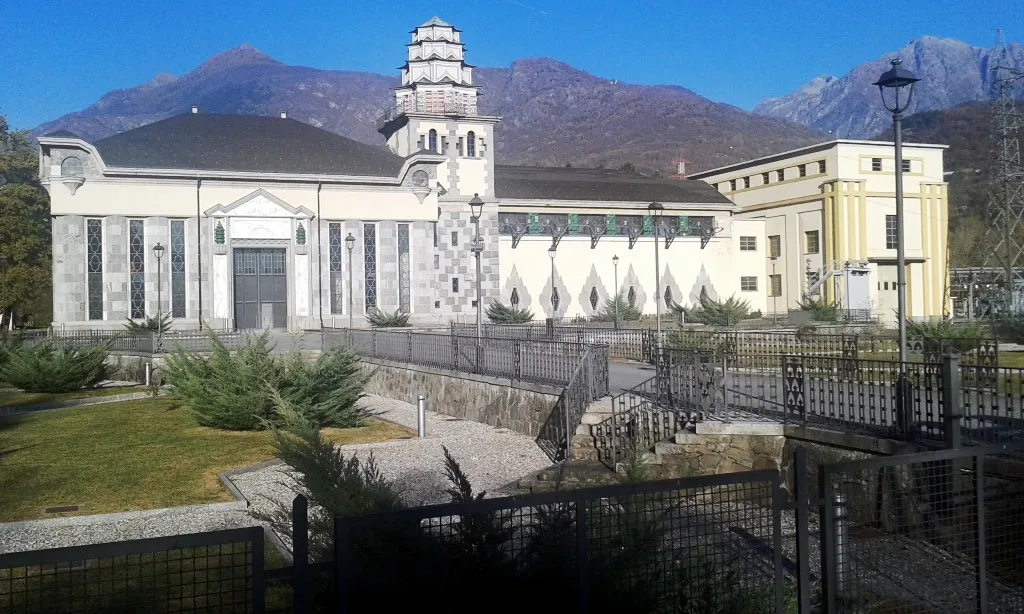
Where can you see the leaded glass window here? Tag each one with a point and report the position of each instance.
(471, 145)
(631, 296)
(593, 297)
(404, 285)
(555, 299)
(668, 226)
(137, 269)
(432, 141)
(370, 266)
(592, 224)
(628, 225)
(514, 299)
(699, 223)
(554, 223)
(94, 267)
(334, 243)
(178, 268)
(510, 223)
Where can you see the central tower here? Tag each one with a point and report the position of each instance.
(436, 112)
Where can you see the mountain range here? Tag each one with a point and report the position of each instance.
(951, 72)
(556, 115)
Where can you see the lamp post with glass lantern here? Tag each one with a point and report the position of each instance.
(890, 86)
(476, 206)
(350, 242)
(656, 209)
(551, 253)
(615, 263)
(158, 251)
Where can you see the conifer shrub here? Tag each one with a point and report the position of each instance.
(499, 313)
(819, 310)
(235, 391)
(383, 319)
(717, 313)
(42, 367)
(158, 324)
(627, 312)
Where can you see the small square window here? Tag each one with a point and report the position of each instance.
(886, 284)
(748, 244)
(455, 284)
(437, 262)
(803, 170)
(455, 238)
(821, 167)
(781, 174)
(732, 185)
(437, 304)
(906, 166)
(876, 164)
(746, 182)
(774, 246)
(811, 241)
(765, 178)
(748, 284)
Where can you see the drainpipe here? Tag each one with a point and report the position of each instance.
(319, 256)
(199, 252)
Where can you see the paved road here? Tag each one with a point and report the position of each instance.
(623, 375)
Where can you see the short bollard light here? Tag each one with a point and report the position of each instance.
(421, 417)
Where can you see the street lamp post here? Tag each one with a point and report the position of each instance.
(894, 80)
(158, 251)
(551, 253)
(350, 242)
(656, 209)
(476, 206)
(615, 263)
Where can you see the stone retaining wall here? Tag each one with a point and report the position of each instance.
(517, 406)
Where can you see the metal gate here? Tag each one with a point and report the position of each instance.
(261, 289)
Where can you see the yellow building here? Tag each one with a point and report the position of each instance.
(829, 214)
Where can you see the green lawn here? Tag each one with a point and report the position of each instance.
(129, 456)
(12, 397)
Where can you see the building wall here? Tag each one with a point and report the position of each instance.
(848, 205)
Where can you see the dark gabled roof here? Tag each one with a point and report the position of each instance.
(245, 143)
(552, 184)
(62, 134)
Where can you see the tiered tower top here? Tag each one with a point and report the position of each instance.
(435, 77)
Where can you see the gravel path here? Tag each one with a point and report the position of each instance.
(490, 457)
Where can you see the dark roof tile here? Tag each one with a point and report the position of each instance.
(543, 183)
(245, 143)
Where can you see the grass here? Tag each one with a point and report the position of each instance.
(132, 455)
(12, 397)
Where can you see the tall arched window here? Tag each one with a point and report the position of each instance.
(471, 144)
(432, 140)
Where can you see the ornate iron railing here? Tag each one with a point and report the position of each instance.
(589, 382)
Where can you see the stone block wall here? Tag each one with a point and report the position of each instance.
(694, 454)
(522, 408)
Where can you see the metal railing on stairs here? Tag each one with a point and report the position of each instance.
(589, 382)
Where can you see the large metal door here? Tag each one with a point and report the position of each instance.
(261, 289)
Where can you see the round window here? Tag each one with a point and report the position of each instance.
(72, 167)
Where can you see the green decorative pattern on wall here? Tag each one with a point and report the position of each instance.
(574, 223)
(534, 227)
(648, 226)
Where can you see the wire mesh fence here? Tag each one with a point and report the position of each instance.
(216, 571)
(931, 532)
(695, 545)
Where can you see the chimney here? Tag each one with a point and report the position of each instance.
(195, 109)
(284, 114)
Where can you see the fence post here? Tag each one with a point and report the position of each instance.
(373, 342)
(582, 554)
(842, 542)
(803, 578)
(455, 351)
(980, 562)
(408, 353)
(517, 360)
(952, 403)
(300, 554)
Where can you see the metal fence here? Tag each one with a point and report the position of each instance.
(545, 362)
(124, 342)
(218, 571)
(933, 532)
(634, 343)
(686, 545)
(930, 532)
(589, 382)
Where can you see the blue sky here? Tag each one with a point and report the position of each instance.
(58, 56)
